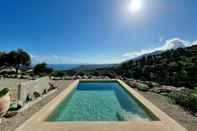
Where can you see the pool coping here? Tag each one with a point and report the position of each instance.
(37, 121)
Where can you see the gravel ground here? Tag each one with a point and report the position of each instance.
(11, 84)
(176, 112)
(10, 124)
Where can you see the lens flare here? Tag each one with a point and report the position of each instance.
(135, 6)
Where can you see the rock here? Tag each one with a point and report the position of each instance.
(44, 92)
(152, 84)
(20, 104)
(52, 86)
(138, 85)
(133, 84)
(36, 94)
(29, 98)
(163, 89)
(169, 88)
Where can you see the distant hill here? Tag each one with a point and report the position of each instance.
(79, 67)
(94, 66)
(63, 66)
(169, 46)
(145, 55)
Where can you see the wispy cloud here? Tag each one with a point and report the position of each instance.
(50, 59)
(106, 59)
(194, 43)
(169, 44)
(57, 59)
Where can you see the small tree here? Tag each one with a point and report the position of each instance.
(42, 69)
(2, 58)
(18, 59)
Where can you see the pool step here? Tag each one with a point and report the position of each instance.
(129, 116)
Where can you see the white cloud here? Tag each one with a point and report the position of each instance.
(56, 59)
(194, 43)
(103, 58)
(137, 53)
(169, 44)
(49, 59)
(175, 43)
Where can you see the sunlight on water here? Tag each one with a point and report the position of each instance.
(99, 101)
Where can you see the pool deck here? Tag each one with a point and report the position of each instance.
(37, 122)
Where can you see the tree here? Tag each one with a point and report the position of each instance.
(2, 58)
(23, 59)
(18, 59)
(42, 69)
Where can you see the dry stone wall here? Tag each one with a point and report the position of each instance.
(27, 91)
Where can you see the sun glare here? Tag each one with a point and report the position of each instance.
(135, 6)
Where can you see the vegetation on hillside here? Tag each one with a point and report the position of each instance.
(109, 72)
(186, 98)
(57, 74)
(173, 67)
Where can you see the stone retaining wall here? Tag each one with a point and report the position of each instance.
(31, 88)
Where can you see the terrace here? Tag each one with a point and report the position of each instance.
(38, 121)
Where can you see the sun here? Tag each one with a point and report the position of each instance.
(135, 6)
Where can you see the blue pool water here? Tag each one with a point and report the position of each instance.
(100, 101)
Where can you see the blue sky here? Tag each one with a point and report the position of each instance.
(93, 31)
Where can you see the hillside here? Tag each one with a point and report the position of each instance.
(94, 66)
(174, 67)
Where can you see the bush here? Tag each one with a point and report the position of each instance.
(185, 98)
(42, 69)
(57, 74)
(4, 92)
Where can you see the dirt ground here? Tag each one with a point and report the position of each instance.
(176, 112)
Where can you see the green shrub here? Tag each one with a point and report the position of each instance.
(57, 74)
(4, 92)
(195, 90)
(185, 98)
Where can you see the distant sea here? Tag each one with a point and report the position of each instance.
(63, 66)
(79, 66)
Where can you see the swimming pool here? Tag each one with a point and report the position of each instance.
(100, 101)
